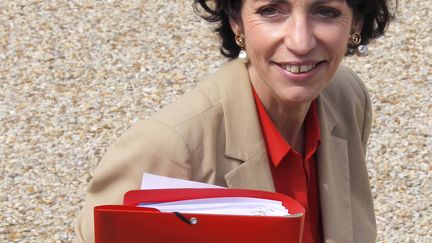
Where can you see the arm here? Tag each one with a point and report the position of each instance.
(364, 199)
(150, 146)
(367, 117)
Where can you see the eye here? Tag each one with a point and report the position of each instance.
(268, 11)
(327, 12)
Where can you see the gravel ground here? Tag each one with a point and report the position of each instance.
(74, 75)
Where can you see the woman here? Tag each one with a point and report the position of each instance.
(283, 116)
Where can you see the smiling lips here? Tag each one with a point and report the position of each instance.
(295, 69)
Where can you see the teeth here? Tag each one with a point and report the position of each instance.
(305, 68)
(299, 69)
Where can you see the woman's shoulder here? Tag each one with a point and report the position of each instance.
(346, 100)
(346, 86)
(204, 100)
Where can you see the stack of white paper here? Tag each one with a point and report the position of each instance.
(223, 205)
(220, 205)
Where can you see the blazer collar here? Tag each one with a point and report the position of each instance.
(244, 139)
(243, 131)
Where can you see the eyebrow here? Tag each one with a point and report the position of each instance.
(313, 1)
(323, 1)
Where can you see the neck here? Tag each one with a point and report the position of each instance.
(288, 117)
(289, 121)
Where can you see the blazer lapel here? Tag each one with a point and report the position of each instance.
(244, 141)
(252, 174)
(333, 173)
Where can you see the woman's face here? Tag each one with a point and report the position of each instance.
(294, 46)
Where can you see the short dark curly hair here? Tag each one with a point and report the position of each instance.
(376, 17)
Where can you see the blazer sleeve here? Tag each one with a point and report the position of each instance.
(367, 117)
(362, 200)
(150, 146)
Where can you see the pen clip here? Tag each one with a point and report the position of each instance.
(192, 221)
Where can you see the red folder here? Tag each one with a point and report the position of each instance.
(130, 223)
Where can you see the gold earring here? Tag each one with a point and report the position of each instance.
(355, 39)
(354, 46)
(240, 41)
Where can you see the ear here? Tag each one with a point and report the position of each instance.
(357, 24)
(236, 25)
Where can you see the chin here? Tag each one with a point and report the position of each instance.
(299, 97)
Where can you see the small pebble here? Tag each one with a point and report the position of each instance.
(74, 75)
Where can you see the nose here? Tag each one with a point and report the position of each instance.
(299, 37)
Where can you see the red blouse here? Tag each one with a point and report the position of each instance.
(293, 174)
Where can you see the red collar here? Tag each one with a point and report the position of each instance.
(277, 146)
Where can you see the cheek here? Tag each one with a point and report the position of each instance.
(334, 38)
(261, 40)
(336, 46)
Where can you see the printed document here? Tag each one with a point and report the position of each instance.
(218, 205)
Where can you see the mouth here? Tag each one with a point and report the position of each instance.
(297, 69)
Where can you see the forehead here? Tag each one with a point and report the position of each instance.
(292, 1)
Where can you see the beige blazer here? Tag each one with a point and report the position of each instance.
(212, 134)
